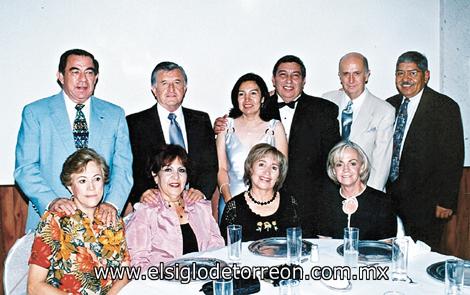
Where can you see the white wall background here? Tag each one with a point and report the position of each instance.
(215, 41)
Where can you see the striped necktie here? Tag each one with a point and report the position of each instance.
(80, 128)
(346, 121)
(398, 139)
(176, 136)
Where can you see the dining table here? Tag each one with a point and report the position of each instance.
(420, 281)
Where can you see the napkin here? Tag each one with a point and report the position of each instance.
(418, 248)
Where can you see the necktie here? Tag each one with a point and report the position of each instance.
(398, 139)
(346, 121)
(80, 128)
(176, 136)
(289, 104)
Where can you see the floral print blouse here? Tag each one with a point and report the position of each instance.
(71, 247)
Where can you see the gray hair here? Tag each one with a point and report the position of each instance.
(259, 151)
(167, 66)
(415, 57)
(336, 154)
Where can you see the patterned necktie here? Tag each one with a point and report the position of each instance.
(346, 121)
(398, 139)
(176, 136)
(80, 128)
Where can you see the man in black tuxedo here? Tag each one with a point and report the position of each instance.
(428, 152)
(150, 129)
(312, 130)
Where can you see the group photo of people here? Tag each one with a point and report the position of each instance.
(112, 187)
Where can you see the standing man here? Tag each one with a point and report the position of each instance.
(168, 122)
(365, 119)
(52, 128)
(428, 152)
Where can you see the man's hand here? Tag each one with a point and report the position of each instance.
(107, 214)
(443, 213)
(63, 205)
(220, 124)
(194, 195)
(149, 196)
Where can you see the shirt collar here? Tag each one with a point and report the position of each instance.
(164, 112)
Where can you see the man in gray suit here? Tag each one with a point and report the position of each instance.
(364, 118)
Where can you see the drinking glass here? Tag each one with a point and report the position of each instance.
(454, 276)
(351, 246)
(294, 245)
(400, 259)
(222, 287)
(288, 287)
(234, 242)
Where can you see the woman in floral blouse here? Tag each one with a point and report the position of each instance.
(68, 249)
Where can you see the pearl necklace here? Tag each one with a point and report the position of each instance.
(262, 203)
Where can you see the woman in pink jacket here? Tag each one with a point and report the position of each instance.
(172, 226)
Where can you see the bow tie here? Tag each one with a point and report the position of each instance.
(289, 104)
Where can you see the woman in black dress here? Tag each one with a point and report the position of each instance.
(370, 210)
(261, 210)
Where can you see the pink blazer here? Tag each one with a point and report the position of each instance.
(154, 234)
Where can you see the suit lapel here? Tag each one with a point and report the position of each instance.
(61, 121)
(97, 123)
(191, 136)
(363, 117)
(154, 127)
(298, 114)
(420, 119)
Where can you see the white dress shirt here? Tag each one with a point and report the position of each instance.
(356, 106)
(287, 114)
(411, 110)
(165, 122)
(72, 112)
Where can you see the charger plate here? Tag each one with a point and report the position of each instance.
(371, 251)
(276, 247)
(438, 271)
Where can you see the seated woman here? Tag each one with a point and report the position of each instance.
(67, 249)
(261, 210)
(349, 167)
(165, 230)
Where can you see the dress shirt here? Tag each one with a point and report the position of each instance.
(411, 110)
(165, 122)
(287, 114)
(356, 106)
(72, 112)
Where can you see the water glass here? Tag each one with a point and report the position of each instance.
(351, 246)
(454, 276)
(234, 242)
(289, 287)
(400, 259)
(294, 245)
(222, 287)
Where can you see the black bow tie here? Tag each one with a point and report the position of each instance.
(289, 104)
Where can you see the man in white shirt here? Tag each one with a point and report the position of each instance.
(364, 118)
(428, 152)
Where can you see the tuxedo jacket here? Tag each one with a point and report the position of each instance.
(431, 162)
(314, 131)
(45, 140)
(147, 137)
(372, 130)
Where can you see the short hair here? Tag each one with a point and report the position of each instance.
(415, 57)
(235, 112)
(167, 66)
(259, 151)
(79, 52)
(290, 58)
(336, 154)
(167, 154)
(365, 62)
(77, 162)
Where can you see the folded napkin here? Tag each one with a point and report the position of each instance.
(418, 248)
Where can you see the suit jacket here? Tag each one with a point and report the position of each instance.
(431, 162)
(314, 131)
(147, 137)
(372, 130)
(45, 140)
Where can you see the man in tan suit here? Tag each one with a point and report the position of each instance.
(364, 118)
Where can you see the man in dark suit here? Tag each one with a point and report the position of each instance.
(428, 152)
(312, 130)
(152, 128)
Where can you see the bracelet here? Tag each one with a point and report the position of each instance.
(223, 184)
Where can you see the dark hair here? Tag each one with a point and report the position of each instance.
(79, 52)
(415, 57)
(76, 163)
(265, 114)
(167, 154)
(167, 66)
(259, 151)
(290, 58)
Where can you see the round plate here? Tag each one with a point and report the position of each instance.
(196, 263)
(276, 247)
(438, 271)
(372, 251)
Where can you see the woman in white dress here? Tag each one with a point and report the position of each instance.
(250, 122)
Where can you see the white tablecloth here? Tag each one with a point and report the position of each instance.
(327, 249)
